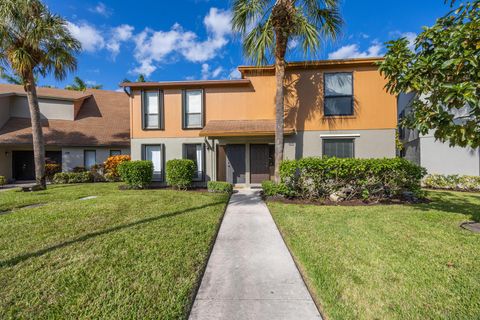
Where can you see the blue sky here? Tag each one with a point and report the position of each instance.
(191, 39)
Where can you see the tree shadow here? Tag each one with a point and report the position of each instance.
(18, 259)
(450, 202)
(304, 102)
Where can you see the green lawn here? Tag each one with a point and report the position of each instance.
(388, 262)
(126, 254)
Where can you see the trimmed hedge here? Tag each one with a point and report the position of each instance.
(3, 181)
(452, 182)
(72, 177)
(180, 173)
(136, 174)
(219, 187)
(271, 189)
(345, 179)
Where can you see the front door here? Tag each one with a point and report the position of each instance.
(259, 163)
(236, 163)
(23, 165)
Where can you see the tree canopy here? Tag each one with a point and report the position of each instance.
(444, 73)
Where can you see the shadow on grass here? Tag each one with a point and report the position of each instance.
(16, 260)
(452, 202)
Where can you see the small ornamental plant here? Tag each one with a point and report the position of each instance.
(111, 166)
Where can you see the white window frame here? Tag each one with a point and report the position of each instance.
(185, 107)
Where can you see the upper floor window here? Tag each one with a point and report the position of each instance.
(340, 148)
(152, 108)
(193, 109)
(338, 94)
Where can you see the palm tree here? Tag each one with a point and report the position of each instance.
(13, 79)
(80, 85)
(33, 41)
(267, 26)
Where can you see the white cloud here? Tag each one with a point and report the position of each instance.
(293, 44)
(235, 74)
(207, 74)
(153, 47)
(353, 51)
(91, 39)
(120, 34)
(101, 9)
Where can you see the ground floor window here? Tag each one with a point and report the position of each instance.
(340, 148)
(154, 153)
(89, 158)
(195, 152)
(115, 153)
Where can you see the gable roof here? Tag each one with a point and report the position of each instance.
(51, 93)
(103, 120)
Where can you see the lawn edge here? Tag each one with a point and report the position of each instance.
(198, 282)
(303, 274)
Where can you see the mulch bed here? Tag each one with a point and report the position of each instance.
(348, 203)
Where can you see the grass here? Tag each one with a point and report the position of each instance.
(126, 254)
(388, 262)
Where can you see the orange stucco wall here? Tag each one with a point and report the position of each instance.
(374, 108)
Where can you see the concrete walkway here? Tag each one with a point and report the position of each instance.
(251, 274)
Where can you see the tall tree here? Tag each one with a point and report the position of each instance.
(141, 78)
(267, 26)
(443, 71)
(80, 85)
(34, 41)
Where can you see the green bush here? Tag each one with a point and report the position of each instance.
(136, 174)
(51, 169)
(452, 182)
(72, 177)
(180, 173)
(271, 189)
(3, 181)
(367, 179)
(219, 187)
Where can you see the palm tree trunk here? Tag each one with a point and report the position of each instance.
(279, 114)
(37, 133)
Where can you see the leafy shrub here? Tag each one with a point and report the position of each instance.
(368, 179)
(51, 169)
(3, 180)
(219, 187)
(136, 174)
(180, 173)
(452, 182)
(79, 169)
(73, 177)
(271, 189)
(111, 166)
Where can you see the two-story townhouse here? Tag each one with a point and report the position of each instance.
(332, 108)
(80, 128)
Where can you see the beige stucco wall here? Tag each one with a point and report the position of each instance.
(367, 144)
(49, 108)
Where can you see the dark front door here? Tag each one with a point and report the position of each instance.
(221, 163)
(236, 163)
(23, 165)
(259, 163)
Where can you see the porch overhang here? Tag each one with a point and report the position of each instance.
(241, 128)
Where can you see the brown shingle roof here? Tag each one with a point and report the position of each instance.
(240, 128)
(103, 120)
(45, 92)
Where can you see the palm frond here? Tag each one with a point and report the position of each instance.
(246, 12)
(258, 43)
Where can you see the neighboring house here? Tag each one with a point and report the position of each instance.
(436, 156)
(80, 128)
(333, 108)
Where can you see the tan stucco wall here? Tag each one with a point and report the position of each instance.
(374, 108)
